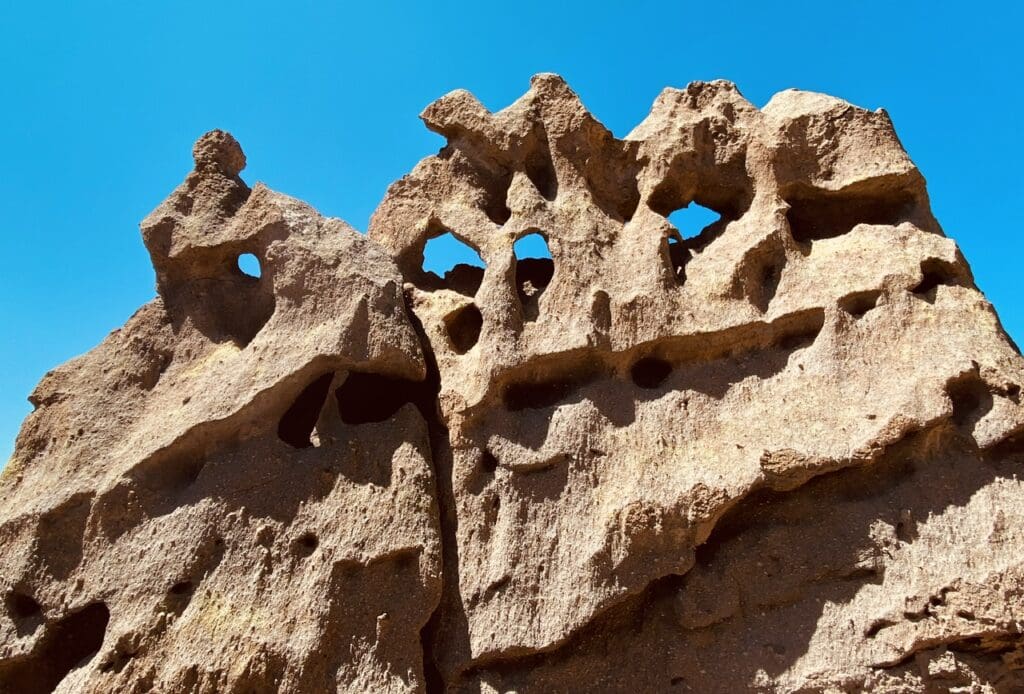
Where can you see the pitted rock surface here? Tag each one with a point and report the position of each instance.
(776, 454)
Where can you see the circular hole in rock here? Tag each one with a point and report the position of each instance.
(650, 372)
(306, 544)
(249, 265)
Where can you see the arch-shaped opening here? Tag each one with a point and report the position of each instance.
(451, 263)
(698, 210)
(692, 219)
(249, 265)
(534, 270)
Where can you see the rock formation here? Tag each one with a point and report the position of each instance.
(777, 455)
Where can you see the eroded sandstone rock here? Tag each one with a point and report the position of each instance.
(776, 454)
(203, 501)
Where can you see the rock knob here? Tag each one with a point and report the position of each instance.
(218, 150)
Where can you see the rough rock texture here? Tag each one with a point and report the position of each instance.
(777, 455)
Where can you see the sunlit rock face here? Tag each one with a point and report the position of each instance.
(778, 453)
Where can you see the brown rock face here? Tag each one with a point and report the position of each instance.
(778, 454)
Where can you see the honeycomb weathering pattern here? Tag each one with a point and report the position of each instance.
(778, 455)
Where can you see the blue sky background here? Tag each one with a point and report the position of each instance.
(102, 101)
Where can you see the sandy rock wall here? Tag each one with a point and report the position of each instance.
(777, 454)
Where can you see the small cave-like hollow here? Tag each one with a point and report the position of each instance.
(366, 398)
(971, 399)
(650, 372)
(66, 644)
(550, 388)
(936, 272)
(815, 214)
(306, 544)
(859, 303)
(677, 255)
(26, 613)
(540, 169)
(463, 327)
(298, 422)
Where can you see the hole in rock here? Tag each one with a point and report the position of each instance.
(297, 423)
(933, 273)
(463, 326)
(650, 372)
(693, 219)
(66, 645)
(678, 256)
(249, 265)
(541, 172)
(799, 338)
(453, 263)
(180, 595)
(182, 588)
(546, 391)
(816, 214)
(700, 217)
(534, 270)
(26, 613)
(366, 397)
(488, 462)
(860, 303)
(970, 397)
(23, 607)
(766, 283)
(306, 544)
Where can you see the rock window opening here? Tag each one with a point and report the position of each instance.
(249, 265)
(693, 219)
(534, 270)
(450, 263)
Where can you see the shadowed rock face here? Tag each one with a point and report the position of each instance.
(780, 454)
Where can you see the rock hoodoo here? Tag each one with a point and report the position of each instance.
(779, 453)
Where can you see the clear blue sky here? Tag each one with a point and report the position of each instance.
(103, 100)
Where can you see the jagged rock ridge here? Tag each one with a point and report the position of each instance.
(775, 454)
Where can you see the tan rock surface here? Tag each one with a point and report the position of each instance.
(780, 454)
